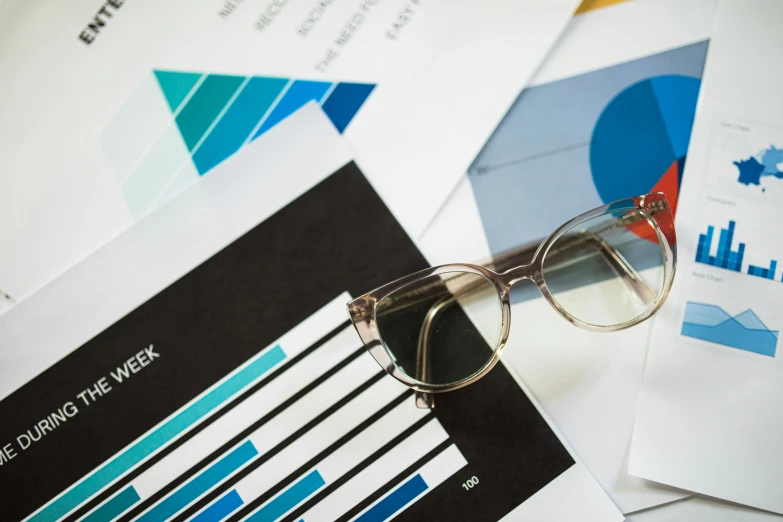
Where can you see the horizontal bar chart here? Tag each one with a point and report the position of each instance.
(162, 435)
(254, 371)
(293, 449)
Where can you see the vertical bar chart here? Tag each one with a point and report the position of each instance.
(726, 257)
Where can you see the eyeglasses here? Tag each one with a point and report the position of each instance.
(445, 327)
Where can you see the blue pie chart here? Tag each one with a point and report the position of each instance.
(641, 134)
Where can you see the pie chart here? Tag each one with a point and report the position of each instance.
(640, 140)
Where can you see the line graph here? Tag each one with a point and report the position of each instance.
(744, 331)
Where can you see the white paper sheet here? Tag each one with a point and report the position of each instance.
(91, 144)
(587, 382)
(700, 509)
(710, 408)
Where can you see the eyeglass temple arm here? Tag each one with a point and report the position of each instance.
(523, 255)
(620, 266)
(426, 400)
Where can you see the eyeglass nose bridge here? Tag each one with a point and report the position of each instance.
(520, 273)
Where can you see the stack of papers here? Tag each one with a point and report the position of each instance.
(175, 264)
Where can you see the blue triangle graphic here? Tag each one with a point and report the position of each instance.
(220, 123)
(176, 86)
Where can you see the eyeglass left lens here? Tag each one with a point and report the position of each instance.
(442, 329)
(608, 270)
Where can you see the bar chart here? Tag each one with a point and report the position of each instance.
(333, 416)
(728, 258)
(314, 430)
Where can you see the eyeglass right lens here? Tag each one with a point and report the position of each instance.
(608, 270)
(443, 329)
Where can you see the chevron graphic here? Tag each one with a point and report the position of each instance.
(180, 125)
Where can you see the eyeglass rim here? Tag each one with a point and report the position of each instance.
(362, 310)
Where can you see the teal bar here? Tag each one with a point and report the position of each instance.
(176, 86)
(204, 106)
(158, 438)
(238, 122)
(289, 498)
(114, 507)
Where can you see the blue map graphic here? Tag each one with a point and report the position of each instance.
(765, 163)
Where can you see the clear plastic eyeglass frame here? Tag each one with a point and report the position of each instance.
(509, 268)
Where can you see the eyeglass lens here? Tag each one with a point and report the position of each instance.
(607, 270)
(426, 330)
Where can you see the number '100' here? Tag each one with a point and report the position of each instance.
(470, 483)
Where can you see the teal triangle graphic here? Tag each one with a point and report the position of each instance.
(176, 86)
(225, 112)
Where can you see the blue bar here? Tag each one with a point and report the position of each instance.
(722, 246)
(729, 239)
(732, 260)
(204, 106)
(289, 498)
(238, 122)
(740, 255)
(298, 94)
(202, 483)
(345, 101)
(220, 509)
(114, 507)
(700, 249)
(395, 501)
(773, 266)
(158, 438)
